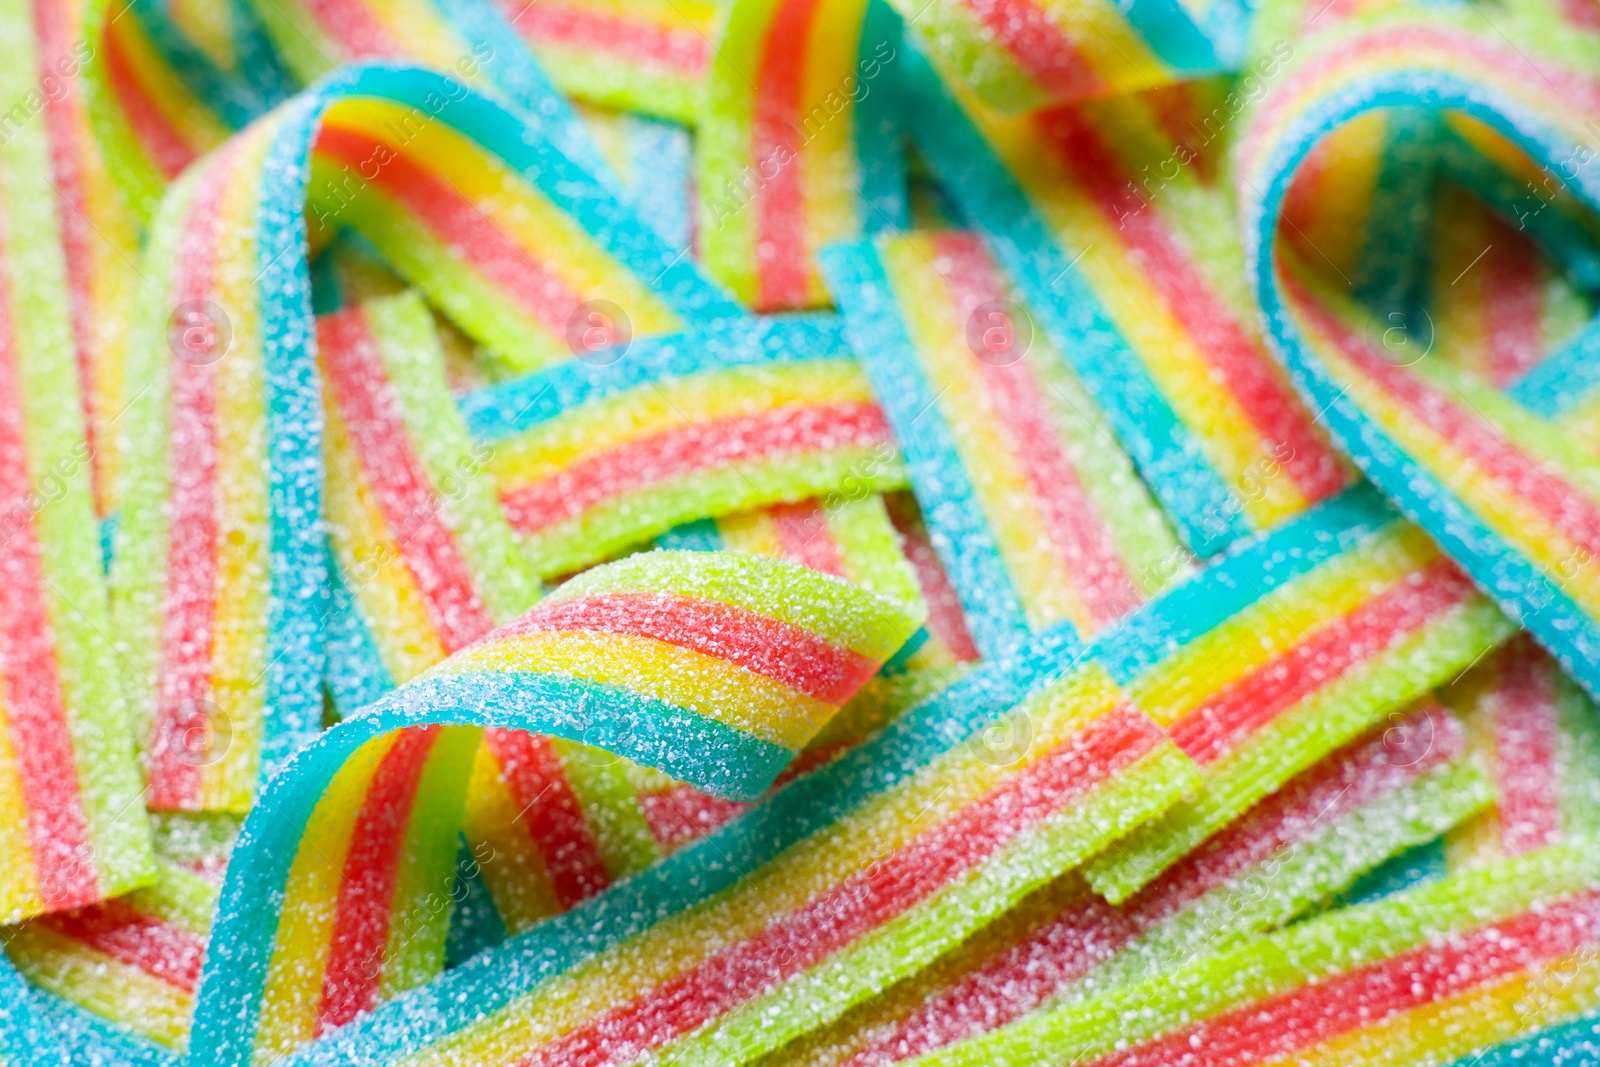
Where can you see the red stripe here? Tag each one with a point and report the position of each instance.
(1060, 951)
(1585, 13)
(1038, 46)
(1473, 438)
(645, 462)
(766, 646)
(685, 50)
(1082, 542)
(34, 710)
(782, 257)
(1526, 735)
(534, 285)
(1244, 706)
(1513, 297)
(352, 28)
(1302, 1018)
(805, 537)
(188, 615)
(531, 768)
(362, 914)
(681, 813)
(1235, 355)
(116, 929)
(1010, 985)
(399, 482)
(861, 903)
(946, 621)
(167, 148)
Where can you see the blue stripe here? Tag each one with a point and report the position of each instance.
(957, 525)
(1563, 379)
(1201, 507)
(1173, 36)
(701, 535)
(298, 596)
(502, 410)
(1253, 570)
(884, 201)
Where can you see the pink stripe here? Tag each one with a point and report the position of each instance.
(1513, 303)
(782, 257)
(34, 711)
(188, 612)
(1039, 47)
(398, 481)
(682, 49)
(805, 537)
(350, 25)
(63, 112)
(656, 460)
(1082, 542)
(1526, 736)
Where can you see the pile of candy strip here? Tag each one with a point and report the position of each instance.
(799, 533)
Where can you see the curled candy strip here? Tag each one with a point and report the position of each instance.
(1488, 472)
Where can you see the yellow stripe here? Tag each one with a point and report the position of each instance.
(512, 867)
(292, 993)
(828, 164)
(239, 640)
(106, 986)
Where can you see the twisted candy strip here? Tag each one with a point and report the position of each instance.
(1487, 472)
(715, 668)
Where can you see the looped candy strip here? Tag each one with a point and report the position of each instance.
(218, 580)
(1488, 471)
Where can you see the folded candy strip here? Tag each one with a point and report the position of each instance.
(160, 97)
(799, 144)
(1040, 519)
(1127, 258)
(134, 960)
(72, 830)
(713, 667)
(1489, 473)
(594, 458)
(218, 582)
(99, 237)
